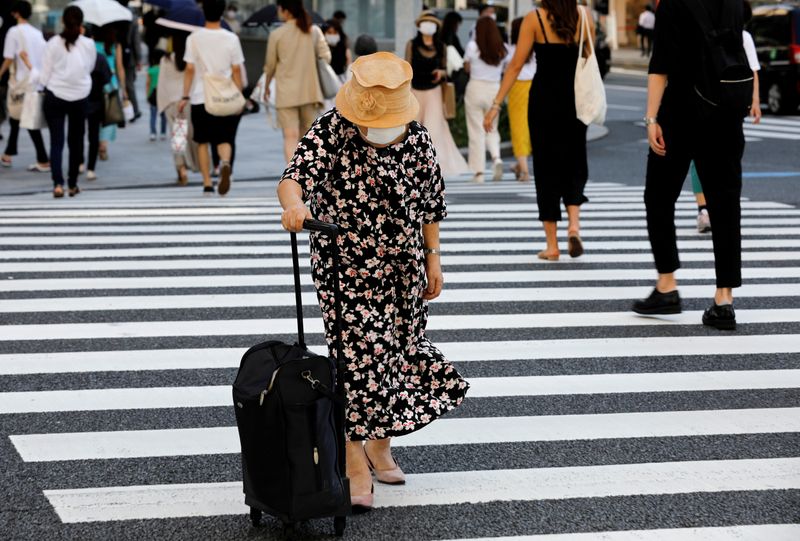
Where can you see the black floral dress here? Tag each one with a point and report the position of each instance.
(396, 380)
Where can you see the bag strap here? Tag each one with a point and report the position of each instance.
(584, 27)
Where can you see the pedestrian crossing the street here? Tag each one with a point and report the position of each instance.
(123, 318)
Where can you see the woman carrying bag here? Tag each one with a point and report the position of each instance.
(291, 59)
(427, 55)
(558, 137)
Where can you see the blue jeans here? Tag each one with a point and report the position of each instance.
(58, 112)
(154, 118)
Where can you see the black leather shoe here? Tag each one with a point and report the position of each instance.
(659, 304)
(720, 317)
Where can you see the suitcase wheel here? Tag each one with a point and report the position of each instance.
(255, 516)
(339, 524)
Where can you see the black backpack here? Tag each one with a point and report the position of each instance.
(290, 414)
(724, 80)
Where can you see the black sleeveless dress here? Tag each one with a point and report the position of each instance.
(558, 138)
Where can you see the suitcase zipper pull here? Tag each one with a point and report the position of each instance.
(316, 456)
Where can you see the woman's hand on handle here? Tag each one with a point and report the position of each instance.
(294, 216)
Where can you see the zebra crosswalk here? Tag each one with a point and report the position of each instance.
(123, 319)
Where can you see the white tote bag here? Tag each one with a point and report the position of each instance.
(221, 95)
(32, 117)
(590, 94)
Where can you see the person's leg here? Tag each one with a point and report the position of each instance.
(475, 132)
(359, 475)
(153, 121)
(163, 118)
(488, 92)
(94, 123)
(55, 115)
(664, 180)
(11, 145)
(77, 126)
(204, 161)
(289, 119)
(719, 166)
(42, 159)
(577, 165)
(130, 89)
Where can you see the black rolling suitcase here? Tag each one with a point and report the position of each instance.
(290, 413)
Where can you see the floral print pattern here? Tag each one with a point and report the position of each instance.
(396, 380)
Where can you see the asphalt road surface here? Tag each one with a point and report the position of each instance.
(123, 316)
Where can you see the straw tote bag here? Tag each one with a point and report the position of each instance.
(590, 94)
(222, 96)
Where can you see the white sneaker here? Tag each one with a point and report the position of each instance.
(497, 170)
(703, 222)
(152, 137)
(90, 175)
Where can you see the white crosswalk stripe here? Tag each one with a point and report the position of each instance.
(122, 327)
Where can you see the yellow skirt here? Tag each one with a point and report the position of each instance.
(518, 118)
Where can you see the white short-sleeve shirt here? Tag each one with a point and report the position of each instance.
(67, 73)
(528, 68)
(24, 37)
(214, 50)
(750, 50)
(480, 70)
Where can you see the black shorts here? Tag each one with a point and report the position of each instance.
(213, 129)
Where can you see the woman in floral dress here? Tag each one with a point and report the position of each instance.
(370, 168)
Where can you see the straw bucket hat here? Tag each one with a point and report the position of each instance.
(430, 17)
(378, 95)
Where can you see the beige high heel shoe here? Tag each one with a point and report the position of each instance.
(392, 476)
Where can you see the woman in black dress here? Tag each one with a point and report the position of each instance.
(367, 166)
(558, 138)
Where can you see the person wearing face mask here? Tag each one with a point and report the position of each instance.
(339, 46)
(292, 53)
(428, 57)
(232, 18)
(353, 167)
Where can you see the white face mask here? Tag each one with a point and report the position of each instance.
(384, 136)
(333, 39)
(231, 14)
(428, 28)
(493, 16)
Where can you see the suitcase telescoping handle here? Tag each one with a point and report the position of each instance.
(330, 230)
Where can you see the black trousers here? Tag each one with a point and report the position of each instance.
(716, 143)
(58, 112)
(36, 137)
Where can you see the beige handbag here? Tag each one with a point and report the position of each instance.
(449, 100)
(222, 96)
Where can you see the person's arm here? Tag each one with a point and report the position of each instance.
(47, 65)
(656, 84)
(236, 75)
(755, 108)
(6, 64)
(348, 57)
(188, 79)
(23, 55)
(147, 83)
(524, 47)
(433, 261)
(290, 194)
(270, 64)
(120, 71)
(409, 53)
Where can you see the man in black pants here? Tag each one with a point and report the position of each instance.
(681, 129)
